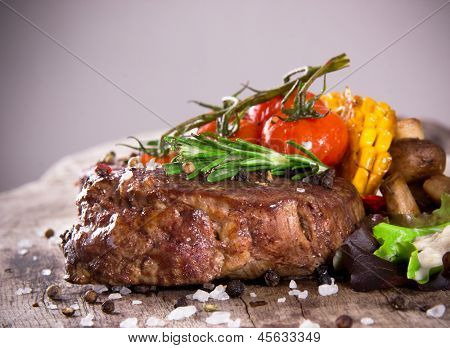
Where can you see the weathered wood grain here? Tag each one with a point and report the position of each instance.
(25, 213)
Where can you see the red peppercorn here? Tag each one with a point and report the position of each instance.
(103, 169)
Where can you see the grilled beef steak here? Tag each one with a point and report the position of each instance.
(144, 227)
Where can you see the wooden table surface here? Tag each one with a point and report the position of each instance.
(26, 212)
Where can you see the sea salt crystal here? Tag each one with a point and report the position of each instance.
(181, 313)
(307, 145)
(75, 307)
(23, 291)
(208, 286)
(300, 189)
(309, 324)
(281, 300)
(24, 244)
(52, 306)
(217, 318)
(100, 288)
(129, 323)
(234, 323)
(136, 302)
(46, 272)
(300, 294)
(115, 296)
(23, 251)
(125, 291)
(152, 165)
(436, 311)
(126, 176)
(367, 321)
(87, 321)
(219, 293)
(327, 289)
(252, 294)
(155, 322)
(200, 295)
(292, 284)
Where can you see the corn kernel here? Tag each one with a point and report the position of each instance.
(384, 106)
(368, 136)
(383, 141)
(368, 105)
(372, 184)
(358, 117)
(367, 157)
(370, 121)
(382, 163)
(360, 179)
(379, 111)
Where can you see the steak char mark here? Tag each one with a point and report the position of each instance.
(144, 227)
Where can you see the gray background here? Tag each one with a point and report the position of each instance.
(167, 52)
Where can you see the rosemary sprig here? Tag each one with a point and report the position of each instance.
(228, 115)
(151, 147)
(220, 158)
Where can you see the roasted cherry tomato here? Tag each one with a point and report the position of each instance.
(327, 136)
(249, 130)
(261, 112)
(161, 160)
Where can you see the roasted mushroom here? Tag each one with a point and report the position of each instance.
(409, 128)
(399, 199)
(436, 186)
(416, 159)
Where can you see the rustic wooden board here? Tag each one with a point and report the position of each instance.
(25, 213)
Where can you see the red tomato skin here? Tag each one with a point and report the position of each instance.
(248, 130)
(261, 112)
(328, 136)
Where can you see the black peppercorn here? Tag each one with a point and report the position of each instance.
(90, 296)
(49, 233)
(344, 321)
(327, 178)
(235, 288)
(398, 303)
(53, 292)
(68, 312)
(181, 302)
(271, 278)
(323, 275)
(108, 306)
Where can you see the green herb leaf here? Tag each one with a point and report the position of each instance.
(222, 159)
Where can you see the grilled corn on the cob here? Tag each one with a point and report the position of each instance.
(371, 130)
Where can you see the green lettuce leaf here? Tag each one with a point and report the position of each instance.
(396, 242)
(414, 266)
(443, 213)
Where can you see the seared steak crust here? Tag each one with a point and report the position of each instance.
(144, 227)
